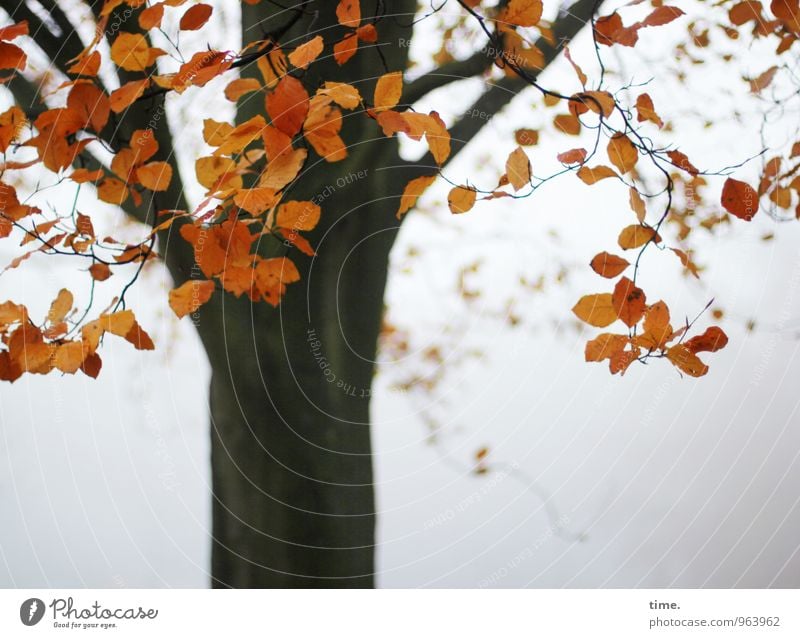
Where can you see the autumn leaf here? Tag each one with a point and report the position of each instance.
(127, 94)
(686, 361)
(298, 215)
(288, 105)
(388, 91)
(306, 53)
(573, 156)
(348, 13)
(596, 310)
(240, 87)
(195, 17)
(412, 192)
(522, 13)
(188, 297)
(461, 199)
(657, 328)
(593, 175)
(622, 153)
(712, 340)
(608, 265)
(156, 175)
(61, 305)
(645, 110)
(681, 161)
(131, 52)
(518, 169)
(629, 302)
(739, 199)
(605, 346)
(636, 235)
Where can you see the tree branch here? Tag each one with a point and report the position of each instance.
(443, 75)
(501, 93)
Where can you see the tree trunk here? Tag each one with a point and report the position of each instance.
(293, 502)
(290, 390)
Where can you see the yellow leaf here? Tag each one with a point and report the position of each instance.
(596, 310)
(131, 52)
(388, 91)
(635, 235)
(412, 192)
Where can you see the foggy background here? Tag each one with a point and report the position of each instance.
(649, 480)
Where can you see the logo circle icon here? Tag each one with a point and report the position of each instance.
(31, 611)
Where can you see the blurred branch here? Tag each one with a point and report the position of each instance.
(499, 94)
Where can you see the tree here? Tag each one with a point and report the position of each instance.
(283, 264)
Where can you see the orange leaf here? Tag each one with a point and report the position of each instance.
(593, 175)
(131, 52)
(636, 235)
(522, 13)
(657, 328)
(100, 271)
(112, 190)
(298, 215)
(127, 94)
(645, 110)
(461, 199)
(605, 346)
(686, 361)
(739, 199)
(345, 95)
(255, 200)
(629, 302)
(573, 156)
(151, 17)
(195, 17)
(188, 297)
(12, 57)
(87, 65)
(608, 265)
(713, 339)
(662, 15)
(345, 49)
(518, 169)
(61, 305)
(622, 153)
(241, 86)
(412, 192)
(596, 310)
(681, 161)
(288, 105)
(388, 91)
(306, 53)
(156, 175)
(348, 13)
